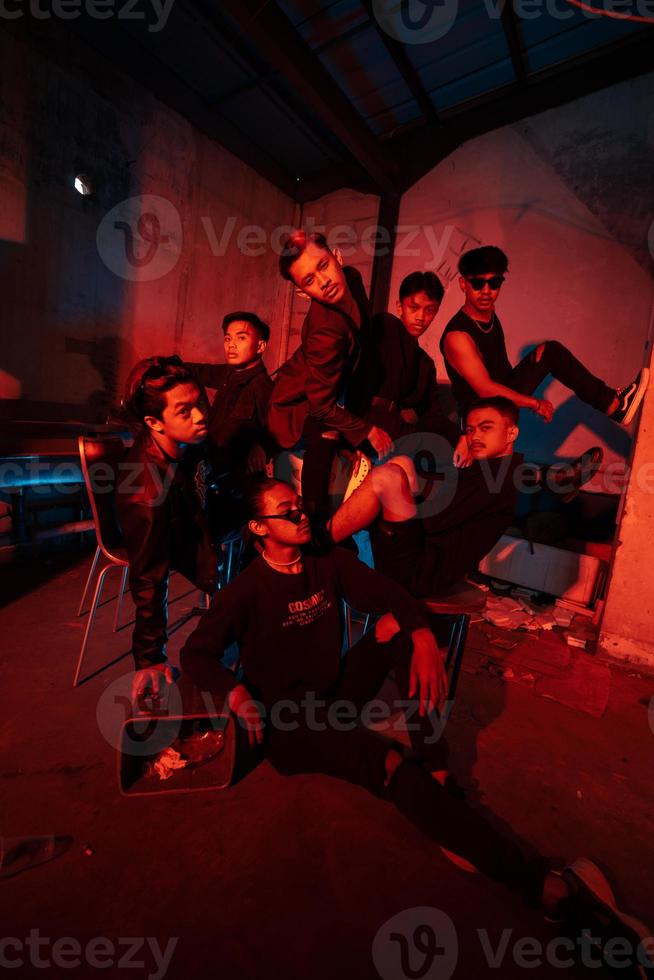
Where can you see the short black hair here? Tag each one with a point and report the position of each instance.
(507, 409)
(262, 328)
(147, 384)
(255, 488)
(487, 260)
(418, 282)
(293, 247)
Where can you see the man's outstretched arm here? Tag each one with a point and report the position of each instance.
(463, 356)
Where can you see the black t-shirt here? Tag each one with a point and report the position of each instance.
(492, 349)
(289, 628)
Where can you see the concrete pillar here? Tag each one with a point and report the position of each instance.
(627, 630)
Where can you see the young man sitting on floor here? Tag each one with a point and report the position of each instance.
(306, 706)
(431, 543)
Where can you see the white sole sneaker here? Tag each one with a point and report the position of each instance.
(361, 466)
(637, 397)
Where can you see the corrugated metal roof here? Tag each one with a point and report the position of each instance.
(361, 61)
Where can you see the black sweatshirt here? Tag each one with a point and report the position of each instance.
(289, 628)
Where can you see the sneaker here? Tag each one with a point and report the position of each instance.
(593, 906)
(361, 466)
(630, 397)
(568, 479)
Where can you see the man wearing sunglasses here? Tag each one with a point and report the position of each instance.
(478, 366)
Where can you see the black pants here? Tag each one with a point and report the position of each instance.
(358, 756)
(564, 366)
(317, 464)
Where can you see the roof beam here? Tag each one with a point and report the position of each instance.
(511, 25)
(267, 27)
(382, 267)
(405, 67)
(551, 87)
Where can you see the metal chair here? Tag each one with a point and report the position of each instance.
(459, 603)
(99, 458)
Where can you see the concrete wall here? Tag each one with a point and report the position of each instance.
(568, 194)
(77, 307)
(628, 623)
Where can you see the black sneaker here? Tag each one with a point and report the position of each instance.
(567, 479)
(592, 909)
(629, 398)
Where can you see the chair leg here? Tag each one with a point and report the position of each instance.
(462, 624)
(119, 597)
(348, 625)
(88, 580)
(92, 612)
(230, 559)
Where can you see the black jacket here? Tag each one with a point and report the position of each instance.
(396, 368)
(237, 420)
(313, 379)
(161, 508)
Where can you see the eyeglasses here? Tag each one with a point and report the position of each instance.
(294, 516)
(478, 283)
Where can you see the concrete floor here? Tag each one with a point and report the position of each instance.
(294, 877)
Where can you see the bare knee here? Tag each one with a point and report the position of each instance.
(406, 464)
(386, 628)
(389, 480)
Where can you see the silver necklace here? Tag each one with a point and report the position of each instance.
(478, 324)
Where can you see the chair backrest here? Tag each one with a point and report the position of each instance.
(100, 457)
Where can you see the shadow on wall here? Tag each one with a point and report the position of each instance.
(112, 357)
(541, 441)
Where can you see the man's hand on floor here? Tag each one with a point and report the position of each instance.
(241, 703)
(428, 680)
(151, 682)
